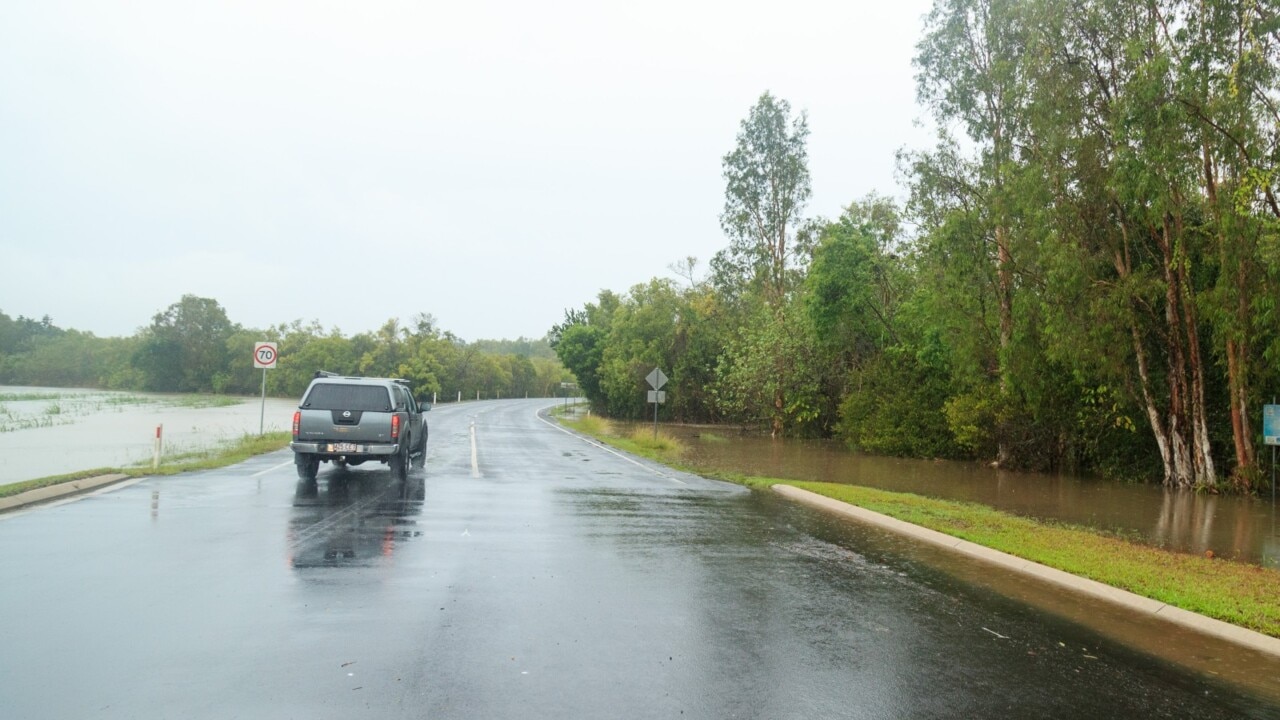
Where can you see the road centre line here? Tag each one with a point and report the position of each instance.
(475, 461)
(608, 449)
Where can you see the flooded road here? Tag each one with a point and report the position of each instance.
(546, 578)
(1244, 529)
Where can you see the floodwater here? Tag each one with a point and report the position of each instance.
(1243, 529)
(51, 431)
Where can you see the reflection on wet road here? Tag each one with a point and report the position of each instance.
(353, 517)
(556, 580)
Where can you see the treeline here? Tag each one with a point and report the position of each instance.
(193, 346)
(1084, 275)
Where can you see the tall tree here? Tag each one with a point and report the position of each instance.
(970, 71)
(766, 188)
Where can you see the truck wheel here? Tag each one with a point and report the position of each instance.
(400, 463)
(308, 466)
(421, 460)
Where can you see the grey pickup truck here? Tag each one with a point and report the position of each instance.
(351, 420)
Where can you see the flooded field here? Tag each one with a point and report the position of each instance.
(50, 431)
(1240, 528)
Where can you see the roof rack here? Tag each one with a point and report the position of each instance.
(324, 373)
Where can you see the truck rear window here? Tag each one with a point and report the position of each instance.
(348, 397)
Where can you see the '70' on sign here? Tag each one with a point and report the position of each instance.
(264, 355)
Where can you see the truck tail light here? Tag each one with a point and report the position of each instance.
(395, 426)
(297, 421)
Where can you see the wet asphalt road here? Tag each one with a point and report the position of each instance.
(553, 579)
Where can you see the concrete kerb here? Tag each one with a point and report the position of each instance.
(1092, 588)
(60, 490)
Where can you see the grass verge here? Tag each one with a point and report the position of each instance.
(207, 459)
(1233, 592)
(1237, 593)
(663, 447)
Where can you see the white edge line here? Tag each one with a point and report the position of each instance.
(73, 498)
(608, 449)
(102, 491)
(271, 470)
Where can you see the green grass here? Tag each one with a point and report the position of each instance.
(230, 453)
(593, 425)
(664, 448)
(1238, 593)
(662, 445)
(203, 401)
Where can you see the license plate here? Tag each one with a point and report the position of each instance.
(344, 447)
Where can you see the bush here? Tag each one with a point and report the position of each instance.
(895, 407)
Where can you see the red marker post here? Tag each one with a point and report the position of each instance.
(158, 446)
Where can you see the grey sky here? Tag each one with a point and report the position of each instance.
(515, 157)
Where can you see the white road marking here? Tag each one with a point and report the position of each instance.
(73, 498)
(475, 461)
(608, 449)
(271, 470)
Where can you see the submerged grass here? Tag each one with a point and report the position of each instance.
(20, 397)
(222, 455)
(68, 407)
(1238, 593)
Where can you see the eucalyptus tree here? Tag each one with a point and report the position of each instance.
(970, 72)
(766, 188)
(1126, 257)
(1227, 81)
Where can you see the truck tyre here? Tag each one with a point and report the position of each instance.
(308, 466)
(421, 460)
(400, 463)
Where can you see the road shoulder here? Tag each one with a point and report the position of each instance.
(1099, 591)
(58, 491)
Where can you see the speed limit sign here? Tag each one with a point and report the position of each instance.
(264, 355)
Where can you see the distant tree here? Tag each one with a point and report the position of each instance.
(185, 347)
(766, 188)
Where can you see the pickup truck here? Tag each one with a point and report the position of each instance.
(352, 420)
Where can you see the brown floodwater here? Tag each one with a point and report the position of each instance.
(1243, 529)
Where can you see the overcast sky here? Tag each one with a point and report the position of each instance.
(512, 159)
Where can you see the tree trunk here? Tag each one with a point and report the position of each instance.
(1149, 404)
(1237, 349)
(1202, 451)
(1004, 280)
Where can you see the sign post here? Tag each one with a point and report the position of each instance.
(264, 356)
(568, 386)
(656, 380)
(1271, 436)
